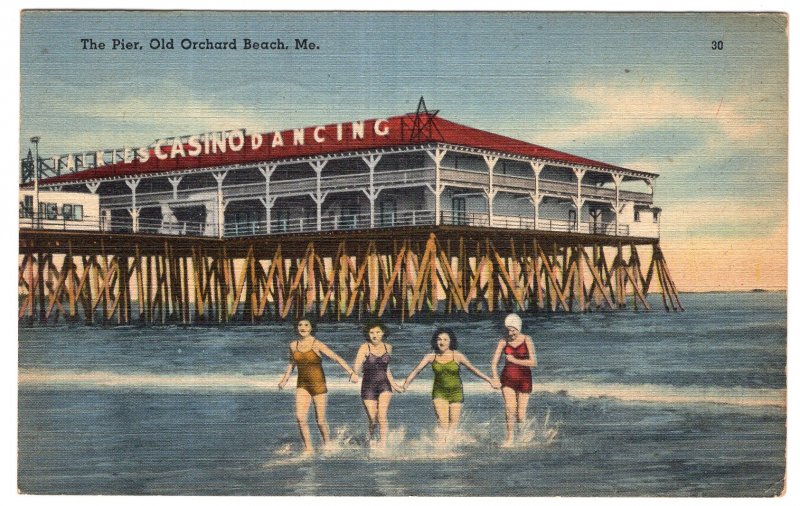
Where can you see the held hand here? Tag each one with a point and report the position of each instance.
(353, 377)
(281, 384)
(495, 384)
(398, 388)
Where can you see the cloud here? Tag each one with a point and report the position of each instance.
(620, 111)
(108, 117)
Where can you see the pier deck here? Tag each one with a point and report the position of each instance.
(398, 272)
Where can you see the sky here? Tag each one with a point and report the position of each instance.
(644, 91)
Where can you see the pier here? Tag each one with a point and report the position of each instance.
(396, 218)
(398, 273)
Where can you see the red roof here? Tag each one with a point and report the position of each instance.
(401, 132)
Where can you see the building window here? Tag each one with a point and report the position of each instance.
(636, 216)
(26, 207)
(72, 212)
(388, 212)
(48, 210)
(655, 216)
(349, 218)
(281, 222)
(459, 211)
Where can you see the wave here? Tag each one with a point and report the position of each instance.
(348, 443)
(652, 393)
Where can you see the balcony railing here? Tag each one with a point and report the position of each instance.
(527, 223)
(116, 225)
(326, 224)
(331, 223)
(549, 186)
(278, 188)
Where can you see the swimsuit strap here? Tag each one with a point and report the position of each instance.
(369, 350)
(297, 346)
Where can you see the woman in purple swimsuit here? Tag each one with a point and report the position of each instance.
(377, 384)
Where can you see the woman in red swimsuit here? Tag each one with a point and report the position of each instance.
(515, 380)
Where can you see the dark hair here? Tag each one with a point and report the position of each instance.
(371, 325)
(449, 332)
(306, 319)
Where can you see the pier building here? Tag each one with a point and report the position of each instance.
(407, 214)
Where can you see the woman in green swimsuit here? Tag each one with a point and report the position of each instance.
(448, 394)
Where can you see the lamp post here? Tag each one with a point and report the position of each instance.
(35, 141)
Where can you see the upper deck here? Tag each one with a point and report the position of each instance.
(404, 171)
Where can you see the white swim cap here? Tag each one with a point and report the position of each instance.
(513, 320)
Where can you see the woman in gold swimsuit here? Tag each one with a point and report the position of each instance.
(305, 353)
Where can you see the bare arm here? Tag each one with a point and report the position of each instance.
(532, 351)
(389, 376)
(498, 352)
(461, 359)
(324, 350)
(395, 386)
(288, 373)
(427, 359)
(527, 362)
(361, 356)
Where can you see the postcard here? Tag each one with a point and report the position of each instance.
(402, 253)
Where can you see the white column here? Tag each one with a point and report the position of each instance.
(219, 177)
(134, 211)
(616, 207)
(579, 200)
(36, 213)
(536, 200)
(372, 194)
(491, 161)
(438, 187)
(536, 197)
(105, 219)
(175, 181)
(93, 187)
(319, 198)
(268, 201)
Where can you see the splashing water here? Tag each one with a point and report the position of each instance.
(535, 434)
(348, 444)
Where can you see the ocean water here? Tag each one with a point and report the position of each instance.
(624, 403)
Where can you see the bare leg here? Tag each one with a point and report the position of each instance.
(320, 403)
(302, 402)
(522, 407)
(510, 400)
(371, 407)
(383, 410)
(442, 409)
(455, 416)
